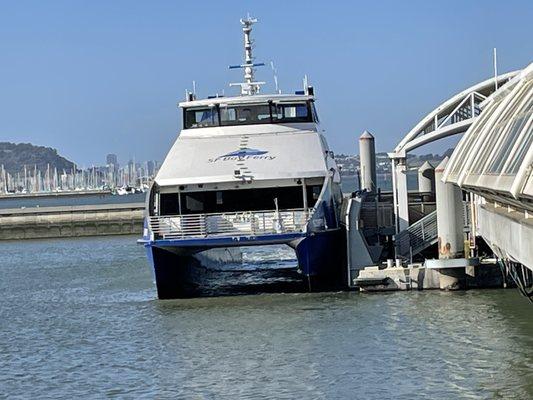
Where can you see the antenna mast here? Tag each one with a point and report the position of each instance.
(495, 63)
(249, 86)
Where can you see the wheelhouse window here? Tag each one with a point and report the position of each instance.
(291, 112)
(249, 114)
(201, 117)
(244, 115)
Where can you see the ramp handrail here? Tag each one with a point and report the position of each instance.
(418, 236)
(423, 233)
(229, 224)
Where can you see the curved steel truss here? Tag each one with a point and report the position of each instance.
(454, 116)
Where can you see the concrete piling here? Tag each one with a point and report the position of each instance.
(450, 223)
(367, 157)
(426, 180)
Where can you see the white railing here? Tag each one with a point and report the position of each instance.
(418, 236)
(243, 223)
(423, 233)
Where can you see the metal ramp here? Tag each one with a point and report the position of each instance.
(423, 233)
(418, 236)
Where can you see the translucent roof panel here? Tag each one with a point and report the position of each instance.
(496, 153)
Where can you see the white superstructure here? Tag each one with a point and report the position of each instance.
(253, 153)
(246, 153)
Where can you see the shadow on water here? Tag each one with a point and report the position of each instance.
(217, 282)
(247, 271)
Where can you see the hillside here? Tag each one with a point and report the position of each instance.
(15, 155)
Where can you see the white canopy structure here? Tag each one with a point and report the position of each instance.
(452, 117)
(494, 160)
(495, 157)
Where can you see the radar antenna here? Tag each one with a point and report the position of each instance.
(249, 86)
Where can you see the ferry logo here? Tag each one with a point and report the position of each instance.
(244, 154)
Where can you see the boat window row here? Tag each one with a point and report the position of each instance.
(289, 197)
(267, 113)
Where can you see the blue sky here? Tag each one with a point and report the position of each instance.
(91, 77)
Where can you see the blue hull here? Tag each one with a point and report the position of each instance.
(322, 259)
(178, 274)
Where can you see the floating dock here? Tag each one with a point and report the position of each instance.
(486, 274)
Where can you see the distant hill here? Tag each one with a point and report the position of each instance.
(15, 155)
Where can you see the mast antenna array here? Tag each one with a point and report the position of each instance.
(249, 86)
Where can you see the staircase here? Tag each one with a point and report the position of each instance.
(418, 237)
(423, 233)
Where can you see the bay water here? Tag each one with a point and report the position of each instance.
(80, 318)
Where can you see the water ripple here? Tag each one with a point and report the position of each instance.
(79, 318)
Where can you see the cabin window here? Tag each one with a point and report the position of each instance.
(249, 114)
(222, 201)
(245, 115)
(291, 112)
(289, 197)
(313, 193)
(201, 117)
(194, 203)
(169, 204)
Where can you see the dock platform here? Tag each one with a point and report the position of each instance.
(487, 274)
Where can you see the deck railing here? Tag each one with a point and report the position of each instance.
(243, 223)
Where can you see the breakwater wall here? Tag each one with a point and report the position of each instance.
(71, 221)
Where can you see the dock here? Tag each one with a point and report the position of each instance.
(480, 231)
(71, 221)
(422, 276)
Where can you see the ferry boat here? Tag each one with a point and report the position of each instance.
(249, 170)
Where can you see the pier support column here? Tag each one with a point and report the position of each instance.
(450, 234)
(426, 181)
(367, 157)
(403, 195)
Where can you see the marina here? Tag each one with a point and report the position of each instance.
(351, 219)
(256, 170)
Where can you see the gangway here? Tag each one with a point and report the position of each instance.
(418, 236)
(423, 233)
